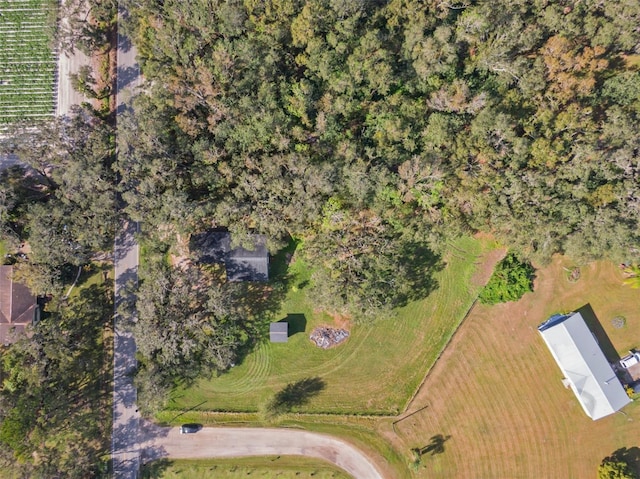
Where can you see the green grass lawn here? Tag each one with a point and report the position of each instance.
(93, 274)
(282, 467)
(375, 372)
(3, 252)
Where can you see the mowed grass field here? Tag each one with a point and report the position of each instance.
(496, 395)
(374, 372)
(280, 467)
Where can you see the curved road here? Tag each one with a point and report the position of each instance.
(237, 442)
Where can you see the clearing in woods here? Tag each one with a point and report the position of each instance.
(374, 372)
(496, 397)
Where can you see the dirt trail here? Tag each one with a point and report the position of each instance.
(69, 63)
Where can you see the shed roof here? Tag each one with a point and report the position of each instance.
(17, 305)
(279, 332)
(583, 363)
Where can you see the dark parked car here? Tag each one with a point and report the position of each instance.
(190, 428)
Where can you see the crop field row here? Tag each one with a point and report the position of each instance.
(27, 60)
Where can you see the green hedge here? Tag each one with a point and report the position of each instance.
(511, 279)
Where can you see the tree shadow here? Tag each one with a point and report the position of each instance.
(151, 470)
(296, 394)
(629, 455)
(435, 446)
(598, 331)
(279, 266)
(418, 265)
(297, 323)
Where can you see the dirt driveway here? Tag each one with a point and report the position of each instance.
(212, 442)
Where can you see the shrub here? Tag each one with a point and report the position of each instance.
(612, 468)
(511, 279)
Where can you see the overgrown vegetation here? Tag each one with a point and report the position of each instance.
(612, 468)
(512, 278)
(55, 396)
(55, 391)
(61, 200)
(374, 129)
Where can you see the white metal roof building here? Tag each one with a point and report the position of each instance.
(584, 365)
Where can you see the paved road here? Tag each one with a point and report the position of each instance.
(125, 449)
(237, 442)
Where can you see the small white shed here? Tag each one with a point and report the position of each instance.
(279, 332)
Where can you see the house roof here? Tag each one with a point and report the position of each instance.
(242, 264)
(279, 332)
(584, 365)
(17, 305)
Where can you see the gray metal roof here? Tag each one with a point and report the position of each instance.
(583, 363)
(242, 264)
(279, 332)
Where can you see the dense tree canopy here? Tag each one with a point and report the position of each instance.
(191, 323)
(64, 203)
(55, 388)
(364, 127)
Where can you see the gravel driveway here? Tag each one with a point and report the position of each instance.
(211, 442)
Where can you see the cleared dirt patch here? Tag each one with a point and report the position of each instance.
(496, 391)
(486, 265)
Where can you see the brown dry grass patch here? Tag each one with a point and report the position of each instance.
(497, 392)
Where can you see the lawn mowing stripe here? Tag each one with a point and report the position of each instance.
(258, 371)
(369, 374)
(512, 388)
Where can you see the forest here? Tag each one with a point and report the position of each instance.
(374, 130)
(367, 132)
